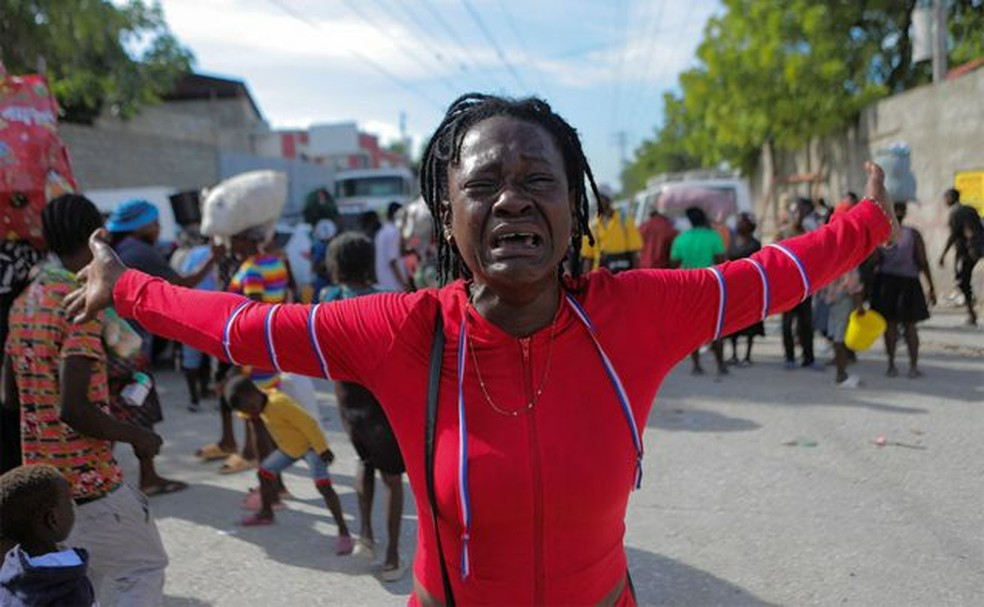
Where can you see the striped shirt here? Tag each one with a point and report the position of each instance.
(41, 337)
(262, 277)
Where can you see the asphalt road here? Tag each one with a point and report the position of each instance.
(767, 487)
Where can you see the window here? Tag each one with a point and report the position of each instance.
(372, 186)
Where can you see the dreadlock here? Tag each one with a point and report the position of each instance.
(68, 221)
(444, 149)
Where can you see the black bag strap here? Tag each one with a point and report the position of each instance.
(433, 385)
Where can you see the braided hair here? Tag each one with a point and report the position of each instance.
(68, 221)
(444, 149)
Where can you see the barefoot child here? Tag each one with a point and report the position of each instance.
(37, 513)
(350, 259)
(295, 435)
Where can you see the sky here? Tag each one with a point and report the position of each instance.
(603, 64)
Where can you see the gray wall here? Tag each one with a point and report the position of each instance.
(944, 128)
(118, 159)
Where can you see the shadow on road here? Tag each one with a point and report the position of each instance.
(659, 580)
(303, 534)
(184, 601)
(698, 420)
(767, 383)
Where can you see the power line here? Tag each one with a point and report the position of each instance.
(495, 45)
(424, 29)
(402, 46)
(441, 21)
(386, 73)
(621, 62)
(651, 36)
(681, 28)
(527, 55)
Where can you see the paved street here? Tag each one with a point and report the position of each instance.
(765, 488)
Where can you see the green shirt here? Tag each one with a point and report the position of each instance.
(697, 247)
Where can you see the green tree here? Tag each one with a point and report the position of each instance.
(99, 55)
(780, 74)
(966, 24)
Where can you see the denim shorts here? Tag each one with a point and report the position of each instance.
(278, 461)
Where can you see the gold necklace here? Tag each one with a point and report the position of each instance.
(536, 396)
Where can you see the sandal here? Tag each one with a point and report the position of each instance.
(344, 545)
(166, 486)
(212, 451)
(393, 573)
(366, 549)
(254, 520)
(236, 463)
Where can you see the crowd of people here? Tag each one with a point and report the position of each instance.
(523, 330)
(895, 281)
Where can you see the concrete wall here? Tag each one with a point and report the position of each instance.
(942, 124)
(120, 159)
(176, 144)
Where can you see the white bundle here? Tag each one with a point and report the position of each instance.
(242, 202)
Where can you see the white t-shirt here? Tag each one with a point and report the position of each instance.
(388, 249)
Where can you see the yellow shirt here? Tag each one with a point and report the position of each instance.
(618, 234)
(291, 426)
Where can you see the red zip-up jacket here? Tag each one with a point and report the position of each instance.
(548, 488)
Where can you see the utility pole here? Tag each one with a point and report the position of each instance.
(939, 41)
(622, 141)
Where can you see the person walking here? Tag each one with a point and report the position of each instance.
(351, 261)
(657, 234)
(802, 314)
(511, 364)
(898, 295)
(744, 245)
(700, 247)
(967, 240)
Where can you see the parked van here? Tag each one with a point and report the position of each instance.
(721, 195)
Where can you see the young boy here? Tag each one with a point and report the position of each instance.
(295, 435)
(37, 513)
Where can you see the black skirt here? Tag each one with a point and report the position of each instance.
(899, 298)
(368, 428)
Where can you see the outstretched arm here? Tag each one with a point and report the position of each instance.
(282, 337)
(721, 300)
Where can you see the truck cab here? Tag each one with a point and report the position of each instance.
(371, 190)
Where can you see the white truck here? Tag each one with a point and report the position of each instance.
(721, 195)
(371, 190)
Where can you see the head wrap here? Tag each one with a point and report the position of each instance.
(132, 215)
